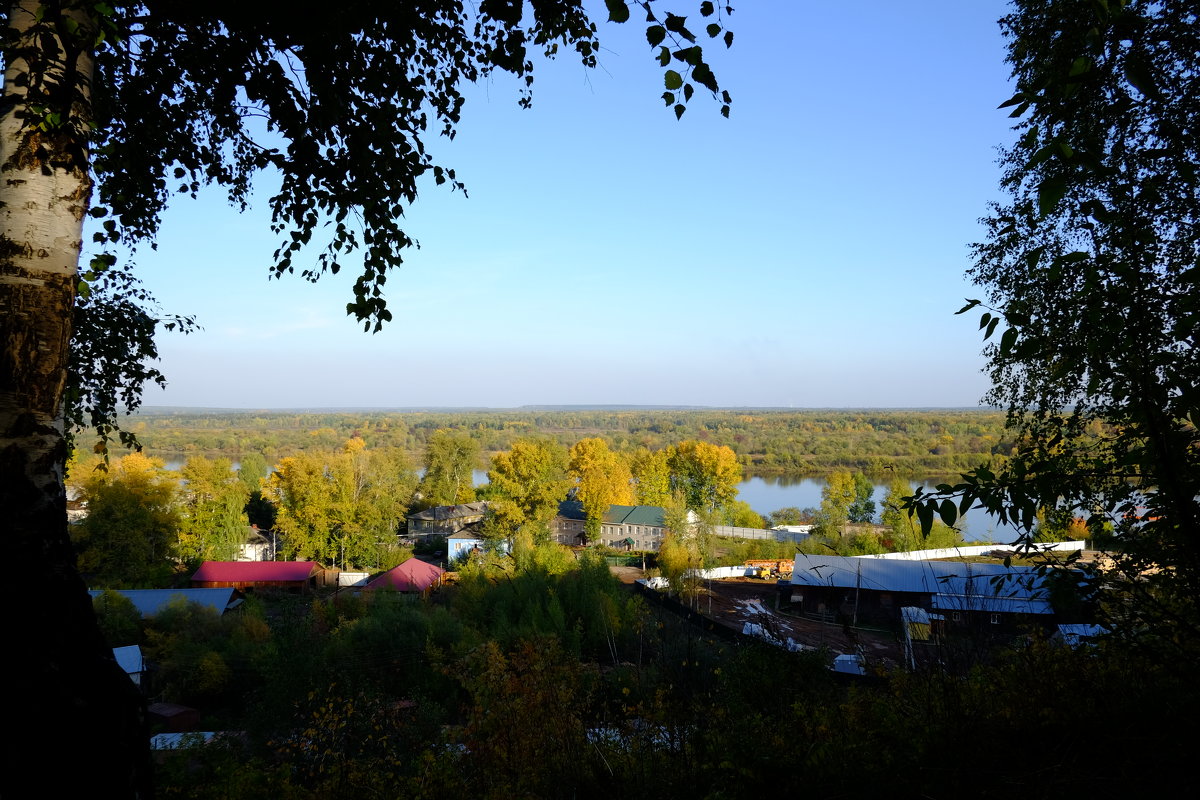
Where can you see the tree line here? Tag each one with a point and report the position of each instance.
(764, 441)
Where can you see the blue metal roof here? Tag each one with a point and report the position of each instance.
(149, 602)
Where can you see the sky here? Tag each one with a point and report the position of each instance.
(808, 251)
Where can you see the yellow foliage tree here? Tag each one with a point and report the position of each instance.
(602, 479)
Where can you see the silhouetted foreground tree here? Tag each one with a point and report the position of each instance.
(109, 110)
(1091, 265)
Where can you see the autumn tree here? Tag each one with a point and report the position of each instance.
(343, 507)
(110, 110)
(651, 476)
(602, 479)
(525, 486)
(706, 474)
(129, 537)
(213, 523)
(450, 461)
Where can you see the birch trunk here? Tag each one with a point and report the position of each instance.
(73, 703)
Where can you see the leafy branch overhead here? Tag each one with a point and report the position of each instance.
(338, 105)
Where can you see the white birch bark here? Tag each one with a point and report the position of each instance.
(73, 699)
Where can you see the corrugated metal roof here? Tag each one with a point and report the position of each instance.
(413, 575)
(992, 604)
(925, 577)
(149, 602)
(248, 571)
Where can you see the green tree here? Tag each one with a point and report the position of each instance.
(790, 515)
(739, 514)
(602, 479)
(525, 486)
(213, 523)
(129, 537)
(863, 507)
(253, 472)
(901, 528)
(706, 474)
(450, 461)
(837, 497)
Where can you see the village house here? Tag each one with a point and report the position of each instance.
(446, 520)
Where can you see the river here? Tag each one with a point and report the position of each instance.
(767, 493)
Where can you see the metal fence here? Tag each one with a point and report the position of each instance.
(758, 533)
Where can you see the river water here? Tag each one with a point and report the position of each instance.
(767, 493)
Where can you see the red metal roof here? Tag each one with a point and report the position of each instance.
(413, 575)
(244, 571)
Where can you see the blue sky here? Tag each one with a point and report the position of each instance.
(806, 252)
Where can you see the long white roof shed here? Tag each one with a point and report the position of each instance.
(953, 585)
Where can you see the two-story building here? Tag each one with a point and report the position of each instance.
(444, 521)
(623, 527)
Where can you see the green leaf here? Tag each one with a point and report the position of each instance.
(925, 515)
(948, 512)
(707, 8)
(655, 34)
(991, 328)
(729, 38)
(664, 56)
(1080, 66)
(1008, 340)
(1016, 99)
(679, 109)
(676, 24)
(970, 304)
(1139, 74)
(618, 11)
(1050, 192)
(984, 320)
(672, 80)
(713, 30)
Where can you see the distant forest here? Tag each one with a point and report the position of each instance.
(765, 441)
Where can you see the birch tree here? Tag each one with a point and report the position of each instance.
(111, 109)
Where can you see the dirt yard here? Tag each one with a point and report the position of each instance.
(736, 601)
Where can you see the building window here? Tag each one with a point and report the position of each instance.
(995, 619)
(956, 616)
